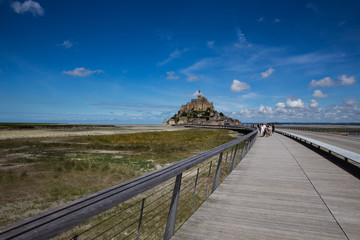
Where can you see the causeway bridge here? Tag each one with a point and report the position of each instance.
(281, 190)
(286, 186)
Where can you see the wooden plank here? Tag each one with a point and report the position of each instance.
(342, 152)
(281, 190)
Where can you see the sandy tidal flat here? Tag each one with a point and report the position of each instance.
(118, 129)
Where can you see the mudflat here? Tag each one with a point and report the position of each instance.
(83, 130)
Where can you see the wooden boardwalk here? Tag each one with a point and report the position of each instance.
(281, 190)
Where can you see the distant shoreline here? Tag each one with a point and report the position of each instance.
(12, 131)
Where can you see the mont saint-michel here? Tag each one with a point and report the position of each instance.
(200, 111)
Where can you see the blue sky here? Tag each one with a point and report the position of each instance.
(138, 61)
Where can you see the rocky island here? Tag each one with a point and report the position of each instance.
(200, 111)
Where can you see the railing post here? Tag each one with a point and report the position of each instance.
(234, 158)
(246, 144)
(225, 164)
(251, 141)
(242, 151)
(247, 147)
(207, 184)
(217, 174)
(140, 219)
(171, 221)
(232, 150)
(192, 202)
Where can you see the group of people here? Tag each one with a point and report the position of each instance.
(266, 129)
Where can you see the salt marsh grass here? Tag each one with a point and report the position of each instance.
(40, 173)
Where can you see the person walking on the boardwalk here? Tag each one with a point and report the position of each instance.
(270, 129)
(263, 130)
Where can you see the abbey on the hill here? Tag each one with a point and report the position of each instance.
(200, 111)
(199, 104)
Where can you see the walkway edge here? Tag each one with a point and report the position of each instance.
(340, 151)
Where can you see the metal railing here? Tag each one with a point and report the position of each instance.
(343, 131)
(347, 155)
(152, 206)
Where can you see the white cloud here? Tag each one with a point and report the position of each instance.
(328, 82)
(267, 73)
(307, 59)
(66, 44)
(314, 103)
(280, 105)
(238, 86)
(324, 82)
(266, 110)
(171, 75)
(28, 6)
(174, 55)
(245, 111)
(348, 111)
(351, 101)
(276, 20)
(346, 81)
(294, 103)
(241, 40)
(192, 71)
(260, 19)
(81, 72)
(250, 95)
(240, 36)
(319, 94)
(343, 112)
(192, 78)
(197, 93)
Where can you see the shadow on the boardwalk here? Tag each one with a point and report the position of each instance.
(349, 167)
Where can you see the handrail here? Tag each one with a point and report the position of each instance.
(340, 151)
(58, 220)
(348, 131)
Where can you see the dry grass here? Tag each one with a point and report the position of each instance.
(122, 221)
(40, 173)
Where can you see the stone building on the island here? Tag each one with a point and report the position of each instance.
(199, 104)
(200, 111)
